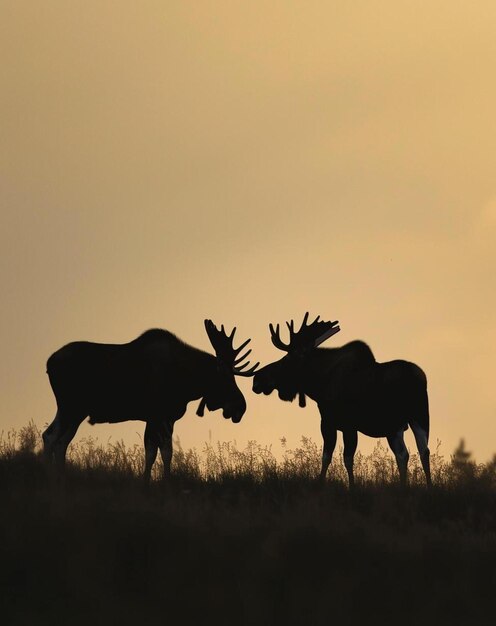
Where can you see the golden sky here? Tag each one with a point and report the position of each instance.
(162, 162)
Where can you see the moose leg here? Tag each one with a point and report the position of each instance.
(397, 445)
(59, 435)
(152, 441)
(166, 446)
(421, 438)
(60, 448)
(329, 434)
(50, 436)
(350, 440)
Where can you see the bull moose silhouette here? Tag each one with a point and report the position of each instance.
(151, 378)
(354, 392)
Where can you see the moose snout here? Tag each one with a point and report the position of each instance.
(235, 410)
(257, 386)
(262, 385)
(234, 414)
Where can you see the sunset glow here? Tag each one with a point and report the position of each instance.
(166, 162)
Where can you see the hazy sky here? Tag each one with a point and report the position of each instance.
(162, 162)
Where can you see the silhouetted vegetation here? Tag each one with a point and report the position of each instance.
(238, 536)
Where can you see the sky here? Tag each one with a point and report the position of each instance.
(162, 162)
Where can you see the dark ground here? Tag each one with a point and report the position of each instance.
(98, 548)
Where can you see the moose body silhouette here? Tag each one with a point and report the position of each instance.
(354, 393)
(151, 379)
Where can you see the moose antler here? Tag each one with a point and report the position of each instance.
(308, 336)
(226, 352)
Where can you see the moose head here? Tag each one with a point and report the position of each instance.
(287, 374)
(223, 391)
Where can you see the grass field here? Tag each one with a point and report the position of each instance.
(236, 537)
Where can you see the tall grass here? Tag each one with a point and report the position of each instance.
(257, 462)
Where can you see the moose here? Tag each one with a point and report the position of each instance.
(151, 379)
(354, 393)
